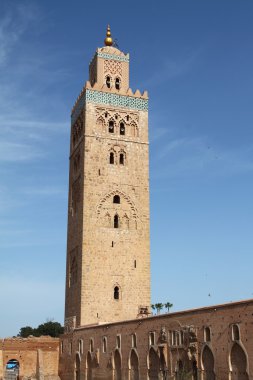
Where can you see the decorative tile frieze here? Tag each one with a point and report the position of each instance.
(99, 97)
(113, 56)
(124, 101)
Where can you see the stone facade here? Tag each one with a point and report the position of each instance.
(37, 358)
(108, 254)
(109, 333)
(206, 344)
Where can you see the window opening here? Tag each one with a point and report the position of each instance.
(118, 342)
(116, 293)
(99, 172)
(91, 345)
(112, 243)
(104, 344)
(106, 114)
(207, 335)
(111, 126)
(111, 158)
(122, 129)
(117, 83)
(127, 117)
(134, 341)
(235, 332)
(108, 82)
(121, 159)
(116, 199)
(135, 263)
(116, 221)
(151, 338)
(80, 346)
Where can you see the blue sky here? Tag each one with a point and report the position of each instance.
(195, 58)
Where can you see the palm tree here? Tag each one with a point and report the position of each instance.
(153, 306)
(168, 305)
(158, 307)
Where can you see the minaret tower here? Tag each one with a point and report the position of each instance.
(108, 252)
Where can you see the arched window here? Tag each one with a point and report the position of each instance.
(121, 159)
(108, 81)
(134, 341)
(207, 334)
(118, 341)
(116, 221)
(111, 158)
(116, 199)
(117, 83)
(116, 293)
(13, 365)
(104, 344)
(122, 129)
(235, 332)
(80, 346)
(151, 338)
(91, 345)
(111, 126)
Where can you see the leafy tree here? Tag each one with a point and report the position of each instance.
(26, 331)
(50, 328)
(168, 305)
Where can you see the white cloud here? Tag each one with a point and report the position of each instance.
(12, 25)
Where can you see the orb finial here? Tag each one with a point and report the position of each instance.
(108, 39)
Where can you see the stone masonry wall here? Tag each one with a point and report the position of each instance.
(37, 357)
(221, 355)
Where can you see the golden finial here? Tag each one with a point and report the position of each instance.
(108, 39)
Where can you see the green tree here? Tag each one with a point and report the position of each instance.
(50, 328)
(168, 305)
(26, 331)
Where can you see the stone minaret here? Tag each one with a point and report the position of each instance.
(108, 253)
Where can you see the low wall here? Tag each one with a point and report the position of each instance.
(38, 358)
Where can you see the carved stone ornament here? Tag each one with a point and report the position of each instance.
(163, 335)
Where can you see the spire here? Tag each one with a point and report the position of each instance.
(108, 39)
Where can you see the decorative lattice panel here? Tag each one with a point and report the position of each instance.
(113, 67)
